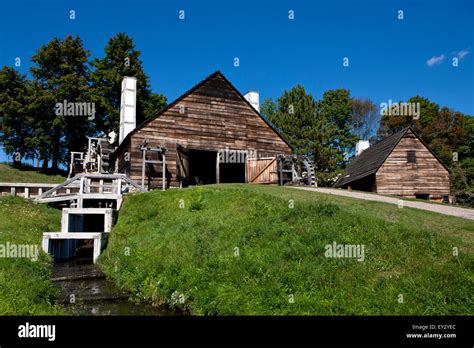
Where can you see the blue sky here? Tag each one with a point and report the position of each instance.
(388, 57)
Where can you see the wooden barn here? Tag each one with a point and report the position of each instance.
(402, 165)
(211, 134)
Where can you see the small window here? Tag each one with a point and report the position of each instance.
(411, 156)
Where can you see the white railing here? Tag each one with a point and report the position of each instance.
(29, 190)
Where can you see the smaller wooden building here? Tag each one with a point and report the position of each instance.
(402, 165)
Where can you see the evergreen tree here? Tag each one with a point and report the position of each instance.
(121, 59)
(62, 72)
(319, 129)
(39, 108)
(294, 116)
(16, 124)
(336, 110)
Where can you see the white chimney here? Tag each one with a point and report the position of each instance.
(361, 145)
(254, 99)
(128, 109)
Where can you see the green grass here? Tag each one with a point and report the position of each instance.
(25, 287)
(186, 257)
(27, 175)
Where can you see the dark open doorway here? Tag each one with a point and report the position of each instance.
(422, 195)
(232, 172)
(202, 167)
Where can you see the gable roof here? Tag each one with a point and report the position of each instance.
(370, 160)
(188, 92)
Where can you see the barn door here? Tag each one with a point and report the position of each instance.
(182, 165)
(262, 170)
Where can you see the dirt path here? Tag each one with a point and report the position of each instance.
(437, 208)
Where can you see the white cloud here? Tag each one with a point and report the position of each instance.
(435, 60)
(462, 54)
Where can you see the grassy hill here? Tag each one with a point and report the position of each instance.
(242, 250)
(27, 174)
(25, 288)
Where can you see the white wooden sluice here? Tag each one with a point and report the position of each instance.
(63, 245)
(67, 248)
(74, 219)
(91, 213)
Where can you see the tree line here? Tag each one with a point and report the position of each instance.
(326, 130)
(63, 72)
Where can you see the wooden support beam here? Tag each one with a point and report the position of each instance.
(164, 172)
(58, 187)
(218, 174)
(119, 186)
(143, 168)
(280, 169)
(81, 186)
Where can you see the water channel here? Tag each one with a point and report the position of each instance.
(84, 290)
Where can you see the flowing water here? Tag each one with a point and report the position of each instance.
(86, 291)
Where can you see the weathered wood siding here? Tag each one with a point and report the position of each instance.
(122, 163)
(427, 175)
(262, 171)
(212, 117)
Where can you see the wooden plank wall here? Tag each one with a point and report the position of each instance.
(397, 177)
(214, 118)
(122, 163)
